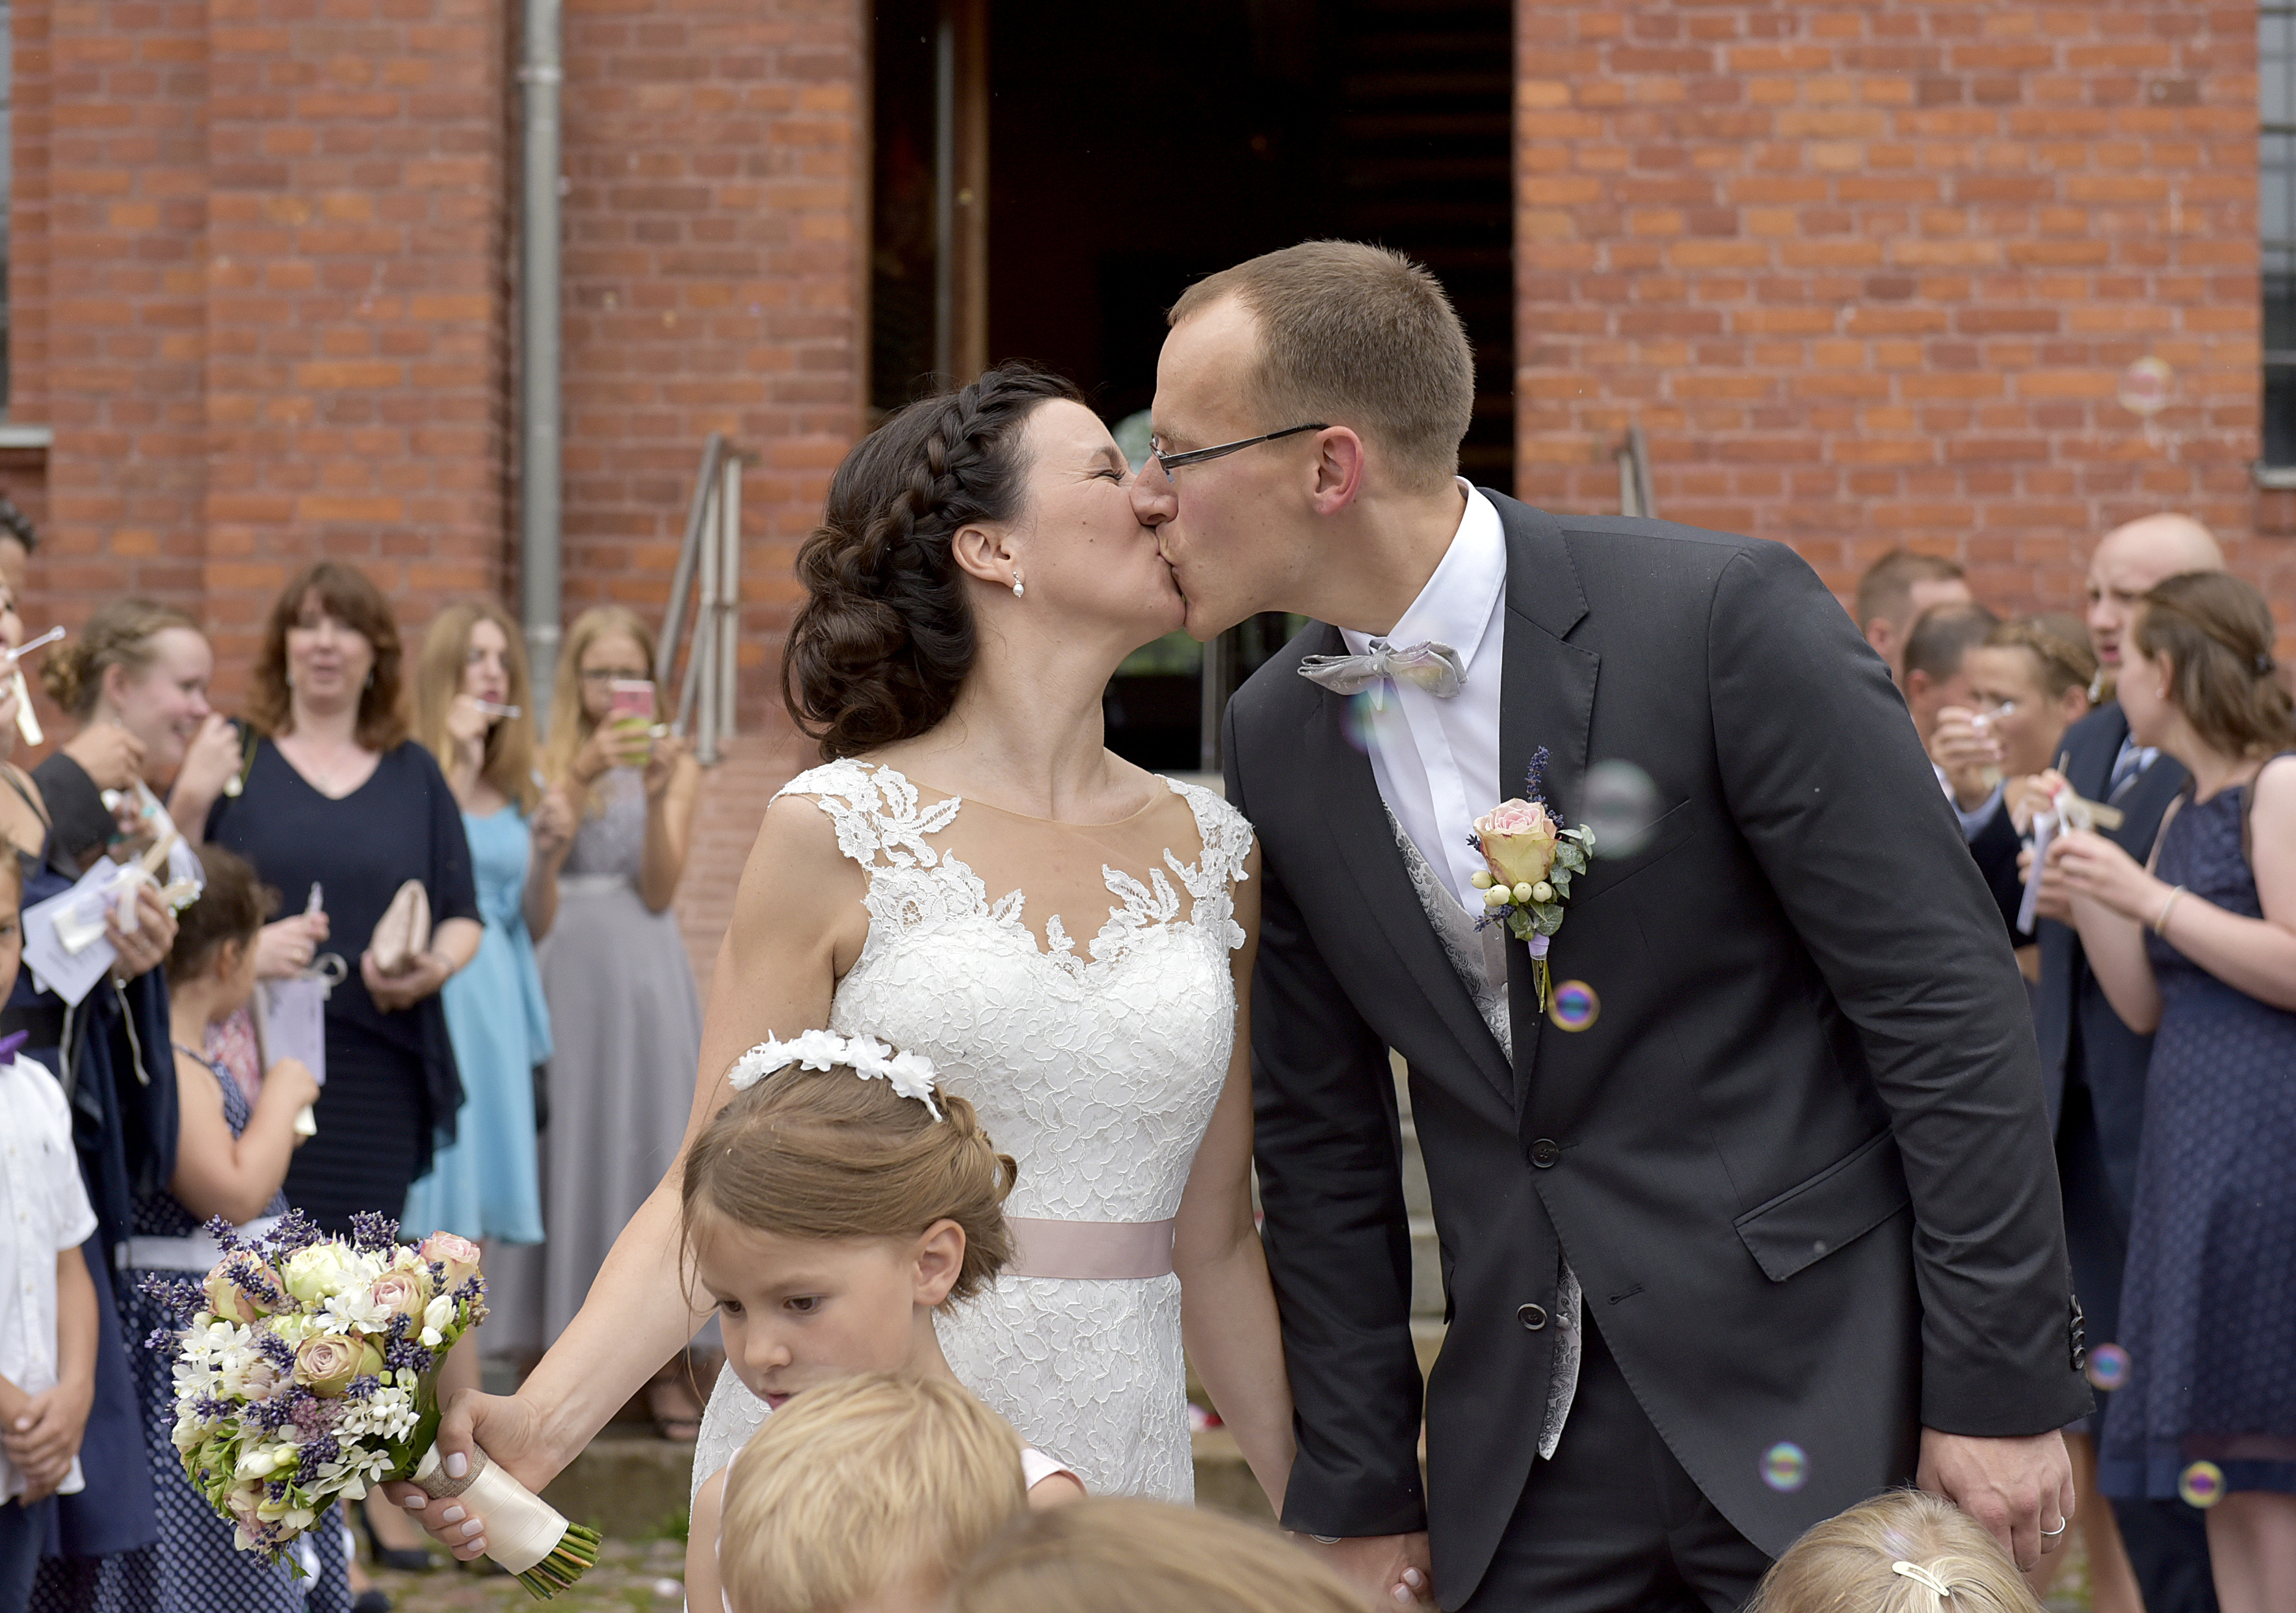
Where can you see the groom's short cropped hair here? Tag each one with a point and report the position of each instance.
(1357, 336)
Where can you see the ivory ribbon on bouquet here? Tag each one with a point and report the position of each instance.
(521, 1527)
(1091, 1250)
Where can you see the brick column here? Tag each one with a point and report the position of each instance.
(715, 227)
(1873, 273)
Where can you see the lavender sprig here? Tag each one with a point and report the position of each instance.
(1534, 783)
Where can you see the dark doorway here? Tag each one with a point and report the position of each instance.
(1129, 152)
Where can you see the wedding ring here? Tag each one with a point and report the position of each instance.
(2053, 1533)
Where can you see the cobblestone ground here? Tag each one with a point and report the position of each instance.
(642, 1577)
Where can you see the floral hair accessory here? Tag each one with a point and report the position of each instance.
(910, 1074)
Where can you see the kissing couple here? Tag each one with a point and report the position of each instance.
(1733, 1129)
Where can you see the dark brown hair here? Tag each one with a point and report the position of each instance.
(1358, 336)
(1943, 636)
(1887, 587)
(2058, 643)
(825, 1154)
(233, 904)
(885, 636)
(350, 596)
(2218, 635)
(118, 635)
(1126, 1555)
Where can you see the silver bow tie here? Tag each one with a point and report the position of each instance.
(1433, 667)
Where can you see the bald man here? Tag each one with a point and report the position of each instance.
(2093, 1066)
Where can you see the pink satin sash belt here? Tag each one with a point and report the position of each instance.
(1090, 1249)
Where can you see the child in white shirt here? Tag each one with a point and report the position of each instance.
(47, 1299)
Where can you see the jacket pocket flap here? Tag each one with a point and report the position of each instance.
(1841, 1204)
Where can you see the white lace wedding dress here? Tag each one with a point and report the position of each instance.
(1097, 1074)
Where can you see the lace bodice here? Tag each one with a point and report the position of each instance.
(611, 840)
(1096, 1066)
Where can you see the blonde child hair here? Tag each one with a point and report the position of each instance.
(1126, 1555)
(571, 721)
(1890, 1555)
(873, 1487)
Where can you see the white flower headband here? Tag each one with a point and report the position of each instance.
(911, 1075)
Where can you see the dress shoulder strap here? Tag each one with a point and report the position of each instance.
(1225, 834)
(880, 821)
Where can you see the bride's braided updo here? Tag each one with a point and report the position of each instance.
(886, 634)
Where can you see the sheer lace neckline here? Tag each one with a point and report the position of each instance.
(1155, 798)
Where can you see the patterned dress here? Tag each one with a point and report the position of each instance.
(2208, 1314)
(1097, 1071)
(194, 1568)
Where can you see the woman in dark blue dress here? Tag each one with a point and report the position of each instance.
(2208, 1310)
(338, 799)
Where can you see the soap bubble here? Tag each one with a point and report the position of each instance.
(1785, 1467)
(2201, 1484)
(1573, 1006)
(1356, 721)
(1620, 806)
(666, 1588)
(2108, 1367)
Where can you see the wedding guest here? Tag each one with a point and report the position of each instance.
(2093, 1067)
(128, 1131)
(230, 1161)
(1903, 1551)
(48, 1348)
(1124, 1555)
(624, 1017)
(338, 797)
(18, 539)
(474, 710)
(865, 1495)
(135, 678)
(2028, 682)
(824, 1174)
(2208, 1298)
(1895, 591)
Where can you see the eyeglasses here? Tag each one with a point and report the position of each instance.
(1169, 462)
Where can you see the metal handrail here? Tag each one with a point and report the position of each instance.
(710, 569)
(1635, 495)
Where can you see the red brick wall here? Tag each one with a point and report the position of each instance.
(715, 160)
(1869, 272)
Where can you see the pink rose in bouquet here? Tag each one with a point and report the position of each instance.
(459, 1255)
(1518, 840)
(241, 1289)
(401, 1293)
(326, 1364)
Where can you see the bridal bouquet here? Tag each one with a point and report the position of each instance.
(307, 1368)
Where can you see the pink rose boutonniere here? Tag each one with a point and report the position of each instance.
(1530, 860)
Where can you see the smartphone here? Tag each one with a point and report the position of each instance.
(631, 697)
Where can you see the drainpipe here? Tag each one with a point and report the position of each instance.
(539, 470)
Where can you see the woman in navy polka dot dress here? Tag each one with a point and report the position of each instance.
(230, 1158)
(2207, 1312)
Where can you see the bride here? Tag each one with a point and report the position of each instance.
(972, 875)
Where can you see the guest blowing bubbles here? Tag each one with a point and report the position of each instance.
(338, 797)
(2208, 1301)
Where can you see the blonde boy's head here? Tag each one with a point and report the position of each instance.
(866, 1493)
(1848, 1564)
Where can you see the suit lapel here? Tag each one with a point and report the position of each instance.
(1348, 797)
(1547, 700)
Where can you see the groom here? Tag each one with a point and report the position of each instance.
(1758, 1216)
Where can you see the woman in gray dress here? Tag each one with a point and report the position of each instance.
(625, 1019)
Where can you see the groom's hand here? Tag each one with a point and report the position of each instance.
(2020, 1489)
(1394, 1569)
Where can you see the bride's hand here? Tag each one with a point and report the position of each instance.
(511, 1434)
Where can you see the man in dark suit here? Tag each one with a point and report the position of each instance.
(2091, 1065)
(1761, 1218)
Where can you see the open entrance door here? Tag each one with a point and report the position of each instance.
(1050, 177)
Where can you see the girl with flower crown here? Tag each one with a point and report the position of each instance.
(832, 1209)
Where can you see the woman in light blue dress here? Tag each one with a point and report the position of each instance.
(471, 709)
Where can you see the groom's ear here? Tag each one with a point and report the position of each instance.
(1339, 469)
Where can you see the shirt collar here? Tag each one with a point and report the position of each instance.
(1456, 606)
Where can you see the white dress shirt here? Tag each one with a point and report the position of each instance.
(43, 1211)
(1437, 762)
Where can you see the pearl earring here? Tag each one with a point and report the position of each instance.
(1017, 589)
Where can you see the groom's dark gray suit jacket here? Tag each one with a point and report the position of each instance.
(1800, 1162)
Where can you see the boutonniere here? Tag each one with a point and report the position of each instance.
(1530, 860)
